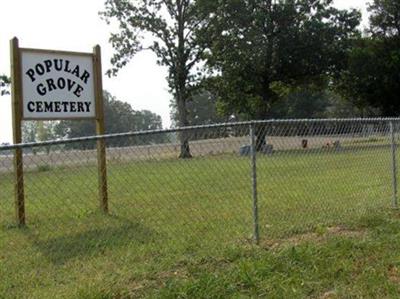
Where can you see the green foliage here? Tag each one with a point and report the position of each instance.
(33, 131)
(301, 103)
(119, 118)
(372, 77)
(308, 102)
(256, 45)
(43, 168)
(201, 108)
(373, 73)
(385, 18)
(4, 85)
(341, 107)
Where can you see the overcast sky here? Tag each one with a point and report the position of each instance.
(74, 25)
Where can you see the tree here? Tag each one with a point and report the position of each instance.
(119, 117)
(258, 46)
(372, 77)
(373, 73)
(173, 26)
(29, 131)
(302, 102)
(202, 109)
(34, 131)
(340, 107)
(315, 102)
(4, 85)
(385, 18)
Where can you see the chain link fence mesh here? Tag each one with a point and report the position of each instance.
(308, 175)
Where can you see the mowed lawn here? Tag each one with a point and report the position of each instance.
(184, 228)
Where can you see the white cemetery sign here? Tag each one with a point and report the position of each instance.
(57, 85)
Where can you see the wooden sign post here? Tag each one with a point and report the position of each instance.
(56, 85)
(16, 92)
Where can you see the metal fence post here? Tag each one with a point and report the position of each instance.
(256, 232)
(394, 166)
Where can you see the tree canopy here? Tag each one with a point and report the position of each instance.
(385, 18)
(372, 77)
(258, 48)
(172, 26)
(258, 45)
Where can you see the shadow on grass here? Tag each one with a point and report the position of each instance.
(86, 241)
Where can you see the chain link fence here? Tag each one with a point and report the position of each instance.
(246, 183)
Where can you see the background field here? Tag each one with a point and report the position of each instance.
(168, 214)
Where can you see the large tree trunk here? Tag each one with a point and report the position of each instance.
(181, 77)
(183, 135)
(185, 149)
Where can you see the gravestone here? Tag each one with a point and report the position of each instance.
(245, 150)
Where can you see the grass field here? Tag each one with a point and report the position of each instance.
(183, 229)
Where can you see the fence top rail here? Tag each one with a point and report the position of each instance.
(191, 128)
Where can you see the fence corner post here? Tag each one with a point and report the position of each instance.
(394, 165)
(256, 230)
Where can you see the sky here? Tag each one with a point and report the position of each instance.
(74, 25)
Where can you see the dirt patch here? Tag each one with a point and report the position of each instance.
(180, 273)
(316, 237)
(329, 295)
(394, 274)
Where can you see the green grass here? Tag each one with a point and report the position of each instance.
(336, 267)
(183, 229)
